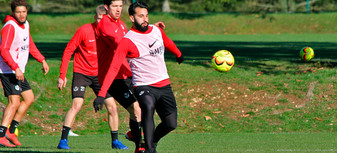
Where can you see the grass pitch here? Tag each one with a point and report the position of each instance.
(185, 143)
(269, 102)
(268, 90)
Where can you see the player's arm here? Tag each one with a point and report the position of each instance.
(37, 55)
(160, 25)
(117, 60)
(171, 47)
(7, 35)
(72, 45)
(108, 33)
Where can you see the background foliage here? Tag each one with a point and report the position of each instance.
(83, 6)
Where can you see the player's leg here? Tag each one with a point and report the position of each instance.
(79, 83)
(113, 122)
(70, 116)
(135, 125)
(147, 102)
(113, 119)
(27, 101)
(12, 89)
(10, 110)
(167, 110)
(8, 115)
(121, 90)
(69, 120)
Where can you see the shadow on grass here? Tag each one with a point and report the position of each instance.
(247, 54)
(25, 151)
(51, 50)
(31, 151)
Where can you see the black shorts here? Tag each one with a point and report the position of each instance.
(13, 86)
(122, 91)
(80, 82)
(165, 102)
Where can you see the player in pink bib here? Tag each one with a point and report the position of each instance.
(16, 45)
(144, 46)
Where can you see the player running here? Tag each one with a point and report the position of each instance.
(85, 72)
(145, 45)
(16, 45)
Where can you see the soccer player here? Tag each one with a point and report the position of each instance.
(109, 32)
(85, 72)
(16, 45)
(144, 45)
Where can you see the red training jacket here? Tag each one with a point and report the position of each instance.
(109, 32)
(83, 43)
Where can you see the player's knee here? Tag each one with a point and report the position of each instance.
(135, 112)
(14, 105)
(110, 105)
(111, 109)
(77, 104)
(14, 100)
(29, 101)
(171, 125)
(171, 121)
(148, 108)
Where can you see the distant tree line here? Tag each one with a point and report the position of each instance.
(183, 6)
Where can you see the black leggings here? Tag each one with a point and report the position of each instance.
(148, 103)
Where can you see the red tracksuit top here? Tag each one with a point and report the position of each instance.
(127, 49)
(109, 32)
(7, 37)
(83, 43)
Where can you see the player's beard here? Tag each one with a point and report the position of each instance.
(140, 28)
(20, 21)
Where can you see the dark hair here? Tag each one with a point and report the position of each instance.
(134, 5)
(16, 3)
(100, 10)
(108, 2)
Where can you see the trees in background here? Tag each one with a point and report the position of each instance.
(198, 6)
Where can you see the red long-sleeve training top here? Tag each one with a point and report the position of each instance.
(83, 43)
(109, 32)
(127, 49)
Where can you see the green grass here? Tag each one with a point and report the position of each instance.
(182, 143)
(275, 100)
(200, 24)
(261, 105)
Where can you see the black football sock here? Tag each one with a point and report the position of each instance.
(65, 132)
(3, 130)
(13, 126)
(136, 131)
(114, 135)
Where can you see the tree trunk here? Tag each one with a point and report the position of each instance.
(292, 5)
(36, 7)
(166, 6)
(283, 5)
